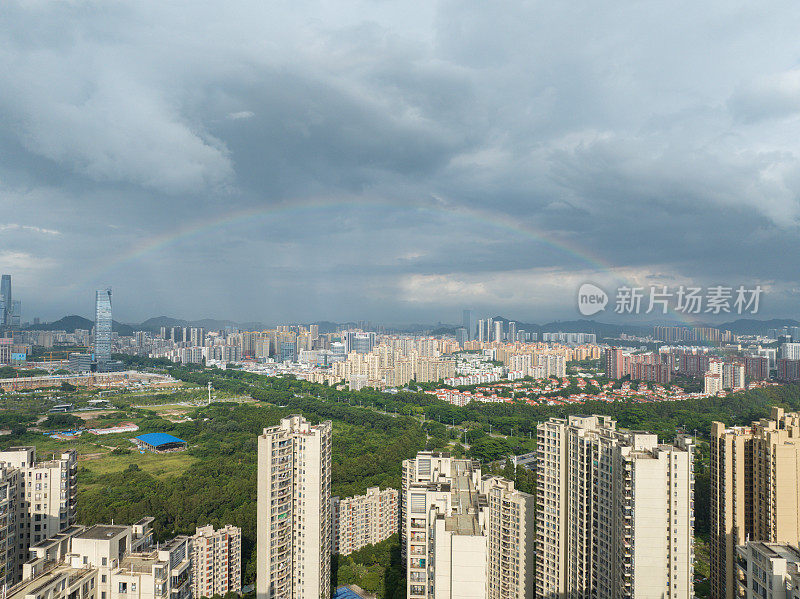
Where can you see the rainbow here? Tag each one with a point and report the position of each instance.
(436, 207)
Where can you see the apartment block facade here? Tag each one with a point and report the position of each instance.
(755, 491)
(294, 511)
(41, 502)
(216, 561)
(767, 570)
(464, 535)
(106, 562)
(363, 520)
(615, 512)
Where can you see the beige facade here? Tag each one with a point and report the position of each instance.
(44, 499)
(363, 520)
(464, 536)
(767, 571)
(294, 511)
(106, 562)
(755, 491)
(615, 512)
(216, 561)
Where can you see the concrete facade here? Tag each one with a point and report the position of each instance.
(615, 512)
(755, 491)
(294, 511)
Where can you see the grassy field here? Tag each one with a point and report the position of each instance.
(159, 465)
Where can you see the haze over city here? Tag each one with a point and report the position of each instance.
(394, 161)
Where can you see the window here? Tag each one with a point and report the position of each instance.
(104, 561)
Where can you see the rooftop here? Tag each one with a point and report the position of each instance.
(159, 439)
(102, 531)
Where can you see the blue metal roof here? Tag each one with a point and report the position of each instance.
(159, 439)
(346, 593)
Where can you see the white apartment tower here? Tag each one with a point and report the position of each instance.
(294, 511)
(615, 512)
(44, 499)
(464, 536)
(216, 561)
(363, 520)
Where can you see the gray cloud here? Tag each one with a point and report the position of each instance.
(394, 161)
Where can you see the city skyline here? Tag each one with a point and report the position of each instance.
(365, 163)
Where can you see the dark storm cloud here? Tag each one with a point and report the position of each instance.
(394, 161)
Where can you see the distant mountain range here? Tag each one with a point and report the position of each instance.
(740, 327)
(70, 323)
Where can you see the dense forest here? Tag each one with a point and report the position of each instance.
(373, 433)
(219, 487)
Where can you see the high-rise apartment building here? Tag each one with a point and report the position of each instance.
(789, 351)
(216, 561)
(463, 535)
(615, 515)
(723, 375)
(512, 332)
(363, 520)
(787, 370)
(755, 491)
(106, 562)
(767, 570)
(294, 511)
(102, 326)
(361, 343)
(44, 499)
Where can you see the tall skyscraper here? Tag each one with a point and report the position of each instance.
(294, 511)
(498, 331)
(615, 512)
(5, 300)
(755, 491)
(481, 330)
(512, 331)
(466, 322)
(464, 535)
(102, 326)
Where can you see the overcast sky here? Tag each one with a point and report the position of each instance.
(394, 161)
